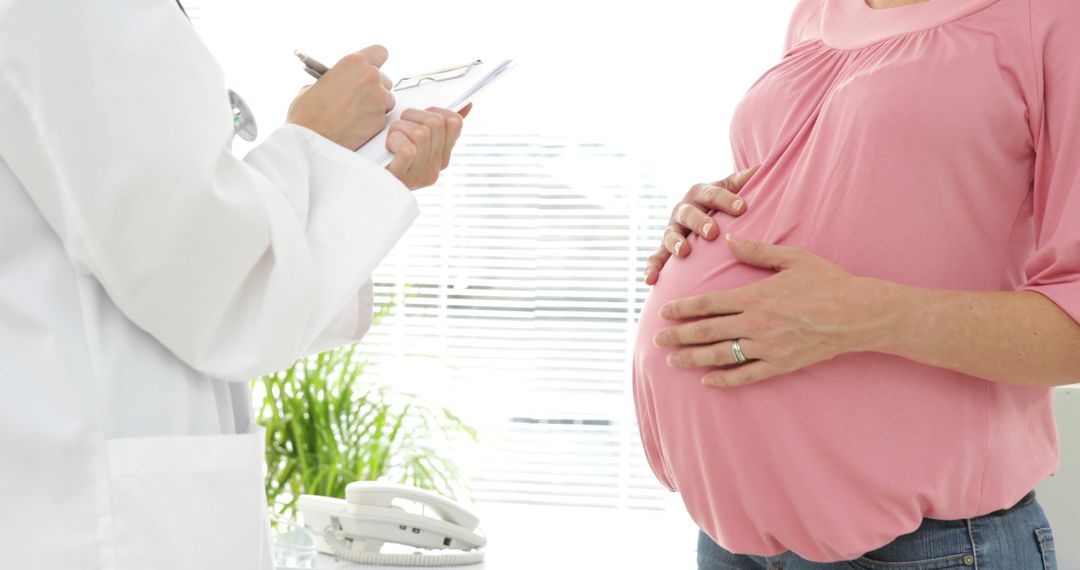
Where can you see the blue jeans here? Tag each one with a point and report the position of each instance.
(1017, 538)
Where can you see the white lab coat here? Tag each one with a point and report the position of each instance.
(145, 276)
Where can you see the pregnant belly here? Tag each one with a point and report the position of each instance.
(773, 458)
(711, 267)
(676, 412)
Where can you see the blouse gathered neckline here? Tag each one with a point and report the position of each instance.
(854, 24)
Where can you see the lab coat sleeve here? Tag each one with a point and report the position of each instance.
(120, 130)
(351, 324)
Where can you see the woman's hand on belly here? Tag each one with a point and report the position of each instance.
(810, 311)
(691, 215)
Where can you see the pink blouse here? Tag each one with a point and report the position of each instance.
(937, 145)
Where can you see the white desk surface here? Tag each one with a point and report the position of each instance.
(522, 537)
(326, 562)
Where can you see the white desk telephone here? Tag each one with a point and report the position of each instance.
(355, 529)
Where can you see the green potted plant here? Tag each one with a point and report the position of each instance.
(326, 427)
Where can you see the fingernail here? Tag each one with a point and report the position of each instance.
(665, 312)
(707, 381)
(657, 340)
(729, 237)
(738, 205)
(707, 229)
(674, 360)
(678, 246)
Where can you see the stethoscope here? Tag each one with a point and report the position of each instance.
(243, 119)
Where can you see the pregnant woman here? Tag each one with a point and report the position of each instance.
(859, 373)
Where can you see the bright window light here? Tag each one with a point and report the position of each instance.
(523, 276)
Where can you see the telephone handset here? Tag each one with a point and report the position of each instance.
(355, 529)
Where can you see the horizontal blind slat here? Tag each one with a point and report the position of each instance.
(517, 273)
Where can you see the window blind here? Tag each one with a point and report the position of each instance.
(518, 291)
(520, 286)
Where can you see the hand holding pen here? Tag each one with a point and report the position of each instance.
(311, 65)
(349, 102)
(317, 70)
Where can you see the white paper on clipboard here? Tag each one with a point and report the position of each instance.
(452, 94)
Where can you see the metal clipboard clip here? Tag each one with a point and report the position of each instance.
(444, 74)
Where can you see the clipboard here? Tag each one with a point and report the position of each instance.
(449, 87)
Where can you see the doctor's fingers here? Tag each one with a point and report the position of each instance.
(388, 85)
(362, 82)
(423, 171)
(404, 155)
(374, 54)
(391, 101)
(454, 124)
(435, 123)
(422, 135)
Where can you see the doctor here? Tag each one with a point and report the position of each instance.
(146, 275)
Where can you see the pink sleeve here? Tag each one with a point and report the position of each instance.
(798, 30)
(1053, 268)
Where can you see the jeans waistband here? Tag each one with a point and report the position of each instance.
(1025, 501)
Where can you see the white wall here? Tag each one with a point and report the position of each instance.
(661, 79)
(1060, 495)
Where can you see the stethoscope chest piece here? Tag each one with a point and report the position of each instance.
(243, 119)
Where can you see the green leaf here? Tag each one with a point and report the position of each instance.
(326, 427)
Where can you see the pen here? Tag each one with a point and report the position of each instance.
(311, 65)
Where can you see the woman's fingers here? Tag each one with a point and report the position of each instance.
(711, 355)
(717, 303)
(736, 181)
(675, 241)
(749, 373)
(704, 331)
(692, 216)
(654, 265)
(694, 219)
(713, 197)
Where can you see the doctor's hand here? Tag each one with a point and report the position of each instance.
(810, 311)
(348, 105)
(692, 215)
(421, 143)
